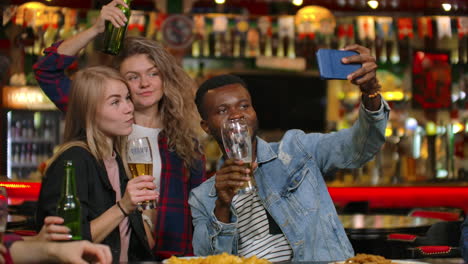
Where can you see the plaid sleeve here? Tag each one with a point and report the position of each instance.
(9, 239)
(50, 73)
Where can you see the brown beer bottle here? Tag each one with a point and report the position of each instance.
(114, 37)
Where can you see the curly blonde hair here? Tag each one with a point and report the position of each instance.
(177, 106)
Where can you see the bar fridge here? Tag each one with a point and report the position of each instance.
(31, 132)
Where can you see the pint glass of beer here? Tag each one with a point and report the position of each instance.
(238, 145)
(140, 162)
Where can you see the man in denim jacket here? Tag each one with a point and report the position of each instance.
(293, 204)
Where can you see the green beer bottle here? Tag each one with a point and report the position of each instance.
(114, 37)
(69, 207)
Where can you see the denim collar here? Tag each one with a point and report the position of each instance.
(264, 151)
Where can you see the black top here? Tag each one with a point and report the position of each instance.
(96, 196)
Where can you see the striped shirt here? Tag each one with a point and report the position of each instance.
(255, 238)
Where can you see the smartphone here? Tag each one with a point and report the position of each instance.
(330, 65)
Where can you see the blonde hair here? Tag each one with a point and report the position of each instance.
(177, 106)
(87, 92)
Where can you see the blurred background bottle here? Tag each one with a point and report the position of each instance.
(114, 37)
(69, 207)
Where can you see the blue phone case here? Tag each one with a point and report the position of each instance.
(330, 65)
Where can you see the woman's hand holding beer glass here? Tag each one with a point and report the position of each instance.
(140, 162)
(139, 190)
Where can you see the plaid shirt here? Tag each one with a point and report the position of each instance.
(8, 240)
(174, 229)
(50, 73)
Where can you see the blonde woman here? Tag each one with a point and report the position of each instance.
(99, 118)
(164, 111)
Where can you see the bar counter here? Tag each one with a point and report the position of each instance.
(395, 196)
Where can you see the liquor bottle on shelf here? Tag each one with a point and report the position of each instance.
(196, 46)
(37, 124)
(217, 44)
(280, 49)
(15, 152)
(381, 44)
(13, 131)
(30, 128)
(24, 129)
(18, 130)
(34, 153)
(252, 48)
(268, 48)
(206, 45)
(28, 153)
(237, 46)
(291, 48)
(394, 54)
(23, 154)
(47, 133)
(227, 47)
(24, 132)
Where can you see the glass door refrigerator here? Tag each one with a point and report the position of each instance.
(31, 131)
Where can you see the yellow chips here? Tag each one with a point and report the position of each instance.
(218, 259)
(368, 259)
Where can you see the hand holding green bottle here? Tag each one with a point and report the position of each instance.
(53, 230)
(111, 13)
(114, 33)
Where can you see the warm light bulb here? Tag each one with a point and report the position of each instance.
(297, 2)
(446, 6)
(373, 4)
(220, 2)
(457, 128)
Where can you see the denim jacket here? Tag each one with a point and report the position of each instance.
(292, 189)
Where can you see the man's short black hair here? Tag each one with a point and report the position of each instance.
(213, 83)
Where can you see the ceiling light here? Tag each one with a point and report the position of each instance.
(297, 2)
(373, 4)
(220, 2)
(446, 6)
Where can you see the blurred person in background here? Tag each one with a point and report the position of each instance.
(162, 93)
(98, 121)
(291, 215)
